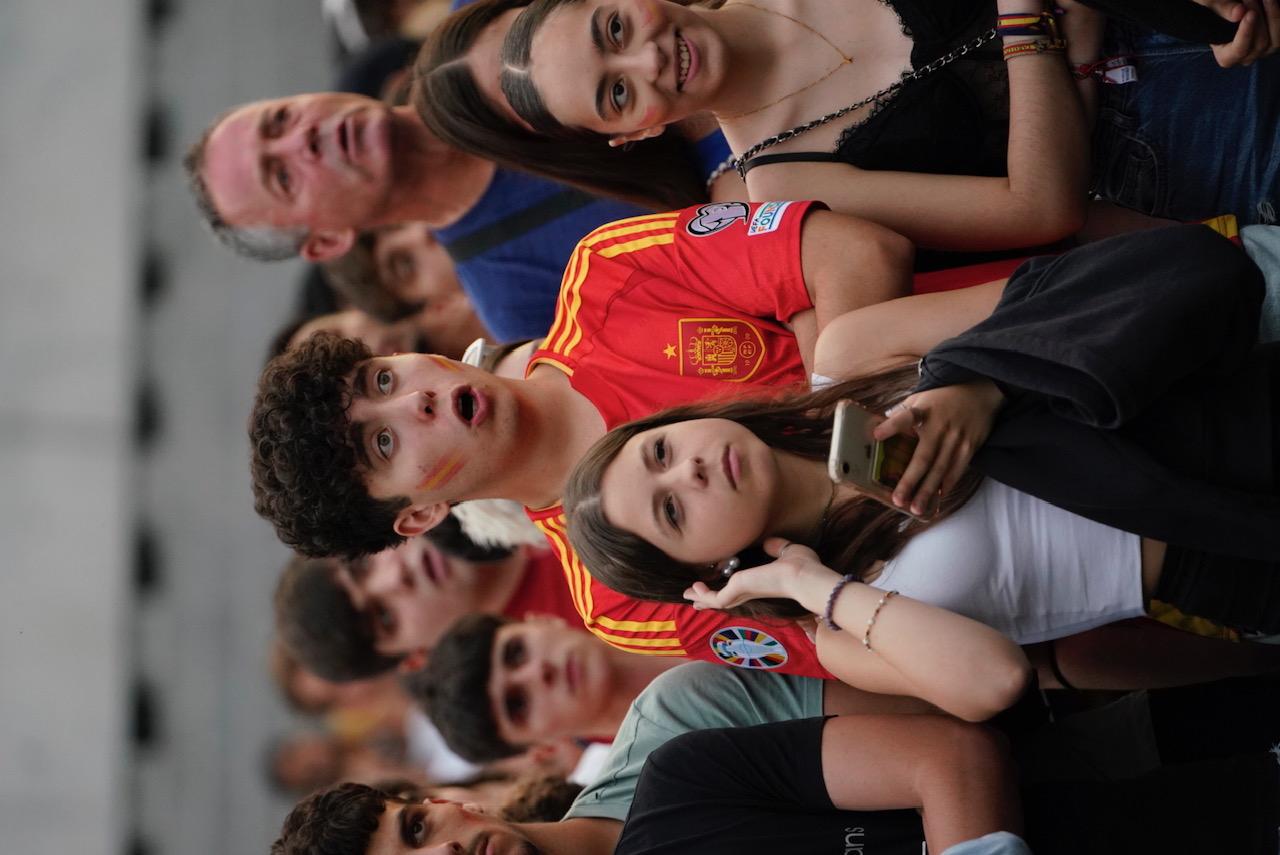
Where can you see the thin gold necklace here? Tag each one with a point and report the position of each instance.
(845, 59)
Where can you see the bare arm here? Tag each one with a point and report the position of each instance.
(887, 334)
(850, 263)
(960, 665)
(1041, 200)
(957, 774)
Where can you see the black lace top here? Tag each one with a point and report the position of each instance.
(953, 122)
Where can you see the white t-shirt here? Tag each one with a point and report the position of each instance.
(1020, 565)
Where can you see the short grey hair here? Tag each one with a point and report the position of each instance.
(261, 243)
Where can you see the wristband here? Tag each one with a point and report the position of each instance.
(1028, 24)
(1032, 47)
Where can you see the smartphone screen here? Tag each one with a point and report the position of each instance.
(891, 459)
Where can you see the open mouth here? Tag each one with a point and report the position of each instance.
(684, 60)
(470, 406)
(344, 140)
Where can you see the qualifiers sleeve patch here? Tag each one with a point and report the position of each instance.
(745, 647)
(717, 217)
(767, 219)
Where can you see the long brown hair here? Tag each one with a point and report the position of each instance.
(659, 174)
(856, 533)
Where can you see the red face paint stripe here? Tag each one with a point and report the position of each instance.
(442, 473)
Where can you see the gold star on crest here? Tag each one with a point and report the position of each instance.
(670, 351)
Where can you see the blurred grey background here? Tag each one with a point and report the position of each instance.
(134, 597)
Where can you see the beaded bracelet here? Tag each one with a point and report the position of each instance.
(871, 621)
(831, 602)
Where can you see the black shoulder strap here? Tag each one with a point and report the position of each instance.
(793, 157)
(517, 223)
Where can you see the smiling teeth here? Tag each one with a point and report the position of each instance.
(682, 49)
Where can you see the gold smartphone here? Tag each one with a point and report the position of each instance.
(856, 458)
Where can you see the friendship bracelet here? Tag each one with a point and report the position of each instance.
(1037, 46)
(871, 621)
(831, 602)
(1028, 24)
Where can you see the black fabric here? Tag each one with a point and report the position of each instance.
(1227, 807)
(1150, 336)
(1236, 717)
(955, 121)
(753, 789)
(1182, 19)
(760, 789)
(1237, 592)
(517, 223)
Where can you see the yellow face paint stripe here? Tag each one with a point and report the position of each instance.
(443, 472)
(446, 364)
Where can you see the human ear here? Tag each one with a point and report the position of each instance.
(413, 520)
(637, 136)
(328, 244)
(414, 660)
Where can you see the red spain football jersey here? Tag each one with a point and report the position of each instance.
(542, 590)
(666, 309)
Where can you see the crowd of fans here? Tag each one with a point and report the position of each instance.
(593, 283)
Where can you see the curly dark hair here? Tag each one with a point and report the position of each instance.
(340, 820)
(306, 478)
(453, 690)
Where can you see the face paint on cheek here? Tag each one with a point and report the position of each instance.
(445, 470)
(446, 364)
(649, 115)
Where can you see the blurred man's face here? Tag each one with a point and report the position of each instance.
(439, 826)
(547, 681)
(382, 338)
(320, 161)
(412, 593)
(415, 268)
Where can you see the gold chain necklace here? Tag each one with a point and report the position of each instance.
(845, 59)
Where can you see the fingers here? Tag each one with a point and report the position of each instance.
(922, 461)
(900, 418)
(932, 480)
(1243, 48)
(775, 545)
(1271, 14)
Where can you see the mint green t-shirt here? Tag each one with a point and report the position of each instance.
(695, 696)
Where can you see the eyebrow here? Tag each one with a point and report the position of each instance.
(264, 161)
(406, 833)
(597, 39)
(360, 381)
(357, 438)
(655, 502)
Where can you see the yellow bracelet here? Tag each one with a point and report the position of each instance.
(1037, 46)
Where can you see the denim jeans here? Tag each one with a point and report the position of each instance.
(1262, 243)
(1188, 140)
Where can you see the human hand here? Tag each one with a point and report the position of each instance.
(1257, 35)
(773, 580)
(951, 423)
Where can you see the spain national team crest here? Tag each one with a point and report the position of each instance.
(720, 348)
(748, 648)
